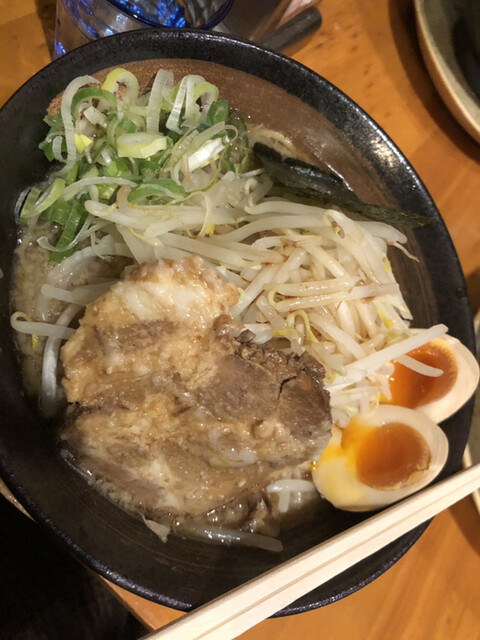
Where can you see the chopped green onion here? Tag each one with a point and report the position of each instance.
(59, 147)
(58, 212)
(112, 169)
(218, 112)
(68, 123)
(163, 188)
(119, 78)
(84, 97)
(29, 204)
(106, 191)
(236, 156)
(128, 125)
(207, 93)
(46, 147)
(209, 151)
(54, 121)
(140, 145)
(95, 116)
(160, 87)
(72, 175)
(74, 221)
(44, 201)
(173, 121)
(82, 142)
(111, 129)
(168, 146)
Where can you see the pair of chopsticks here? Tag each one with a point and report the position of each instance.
(275, 24)
(303, 23)
(238, 610)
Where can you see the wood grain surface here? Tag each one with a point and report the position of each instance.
(369, 49)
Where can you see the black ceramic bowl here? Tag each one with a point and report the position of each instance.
(183, 573)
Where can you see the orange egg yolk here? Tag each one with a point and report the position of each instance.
(386, 457)
(411, 389)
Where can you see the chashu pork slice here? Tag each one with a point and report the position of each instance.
(174, 407)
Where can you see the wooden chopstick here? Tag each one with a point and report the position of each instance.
(233, 613)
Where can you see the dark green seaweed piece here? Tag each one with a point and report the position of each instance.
(329, 189)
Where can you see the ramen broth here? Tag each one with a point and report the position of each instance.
(265, 509)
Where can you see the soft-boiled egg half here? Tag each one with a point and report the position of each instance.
(380, 458)
(438, 396)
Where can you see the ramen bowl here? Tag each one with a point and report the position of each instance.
(283, 95)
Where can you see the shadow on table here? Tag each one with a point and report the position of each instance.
(467, 522)
(46, 13)
(45, 594)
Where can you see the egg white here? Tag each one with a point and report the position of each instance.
(463, 388)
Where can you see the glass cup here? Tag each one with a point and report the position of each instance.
(79, 21)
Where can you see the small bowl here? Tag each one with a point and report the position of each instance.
(436, 21)
(283, 94)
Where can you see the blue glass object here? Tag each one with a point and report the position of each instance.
(167, 13)
(79, 21)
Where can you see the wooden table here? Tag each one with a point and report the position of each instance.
(369, 49)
